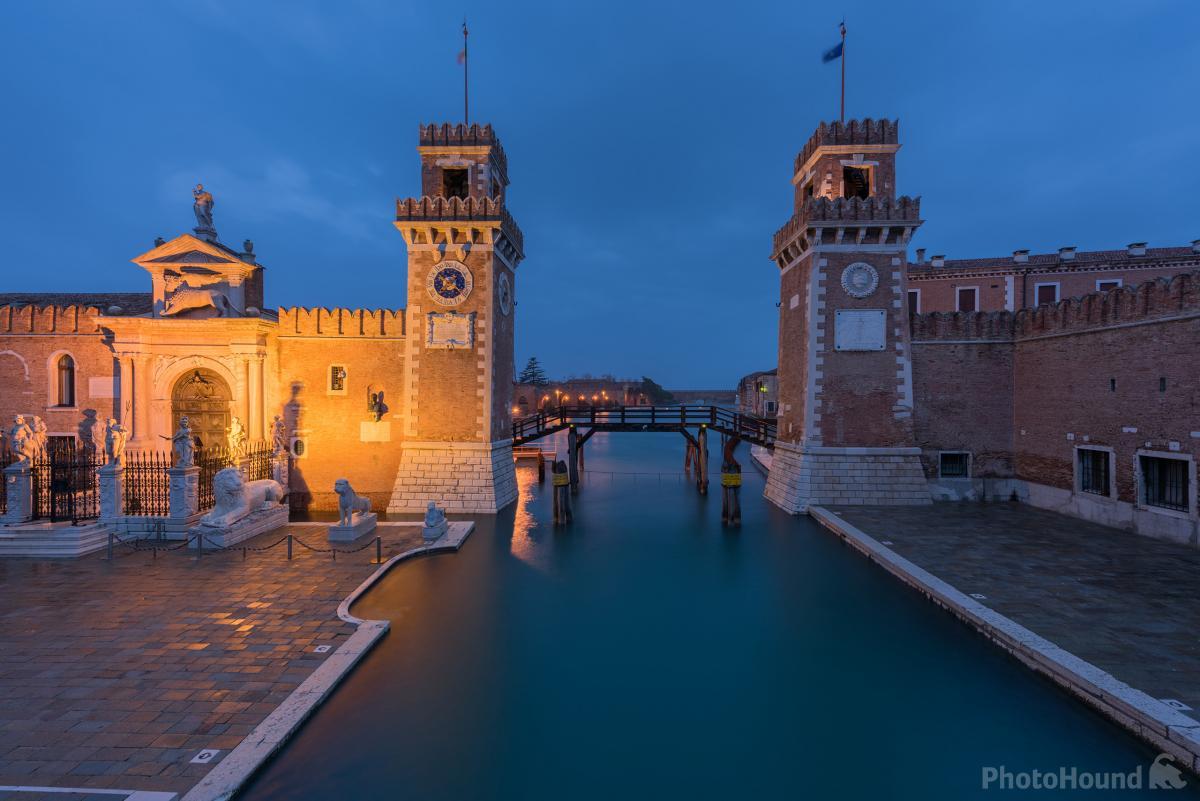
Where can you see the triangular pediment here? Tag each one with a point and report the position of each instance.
(188, 250)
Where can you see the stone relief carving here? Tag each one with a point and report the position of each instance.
(189, 298)
(860, 280)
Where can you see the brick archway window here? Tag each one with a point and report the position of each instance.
(66, 381)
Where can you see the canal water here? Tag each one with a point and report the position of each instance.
(647, 652)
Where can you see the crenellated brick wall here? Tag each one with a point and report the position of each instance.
(1021, 392)
(341, 322)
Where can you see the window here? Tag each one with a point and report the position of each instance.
(954, 465)
(454, 182)
(298, 447)
(1094, 475)
(66, 381)
(856, 182)
(1105, 284)
(770, 407)
(1165, 483)
(968, 299)
(914, 301)
(1045, 293)
(337, 378)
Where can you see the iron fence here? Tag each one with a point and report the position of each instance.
(258, 461)
(66, 484)
(7, 457)
(211, 461)
(147, 485)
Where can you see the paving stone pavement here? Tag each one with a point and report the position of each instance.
(1126, 603)
(116, 674)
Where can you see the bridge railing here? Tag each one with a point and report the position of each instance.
(719, 418)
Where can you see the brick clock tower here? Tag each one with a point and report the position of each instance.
(845, 369)
(463, 250)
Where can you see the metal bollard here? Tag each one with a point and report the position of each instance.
(379, 550)
(199, 545)
(110, 544)
(289, 547)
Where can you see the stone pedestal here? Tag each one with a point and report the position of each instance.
(112, 491)
(185, 491)
(257, 522)
(461, 477)
(18, 484)
(360, 526)
(804, 476)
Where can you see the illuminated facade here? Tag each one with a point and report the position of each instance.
(410, 405)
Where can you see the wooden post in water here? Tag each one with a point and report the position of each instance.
(562, 493)
(573, 458)
(541, 467)
(731, 486)
(581, 456)
(702, 460)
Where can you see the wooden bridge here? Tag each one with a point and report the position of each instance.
(676, 419)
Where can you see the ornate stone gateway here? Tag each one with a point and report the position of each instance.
(204, 398)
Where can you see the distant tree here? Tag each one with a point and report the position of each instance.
(533, 373)
(654, 391)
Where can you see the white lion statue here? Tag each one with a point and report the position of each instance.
(350, 503)
(236, 497)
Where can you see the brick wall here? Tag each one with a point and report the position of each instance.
(1021, 391)
(31, 340)
(370, 346)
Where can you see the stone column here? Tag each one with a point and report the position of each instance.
(185, 491)
(254, 427)
(141, 398)
(18, 483)
(124, 410)
(112, 491)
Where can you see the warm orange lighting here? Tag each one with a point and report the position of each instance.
(516, 410)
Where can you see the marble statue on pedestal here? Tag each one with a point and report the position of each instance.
(435, 522)
(40, 437)
(236, 498)
(279, 444)
(20, 439)
(202, 205)
(89, 433)
(355, 517)
(184, 444)
(351, 505)
(115, 436)
(237, 438)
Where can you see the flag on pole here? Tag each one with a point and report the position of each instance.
(835, 52)
(462, 54)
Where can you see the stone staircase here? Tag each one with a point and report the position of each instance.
(52, 540)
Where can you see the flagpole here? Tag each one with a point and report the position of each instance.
(466, 93)
(843, 112)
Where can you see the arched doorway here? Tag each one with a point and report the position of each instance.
(203, 397)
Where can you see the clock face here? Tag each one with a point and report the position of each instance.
(504, 293)
(860, 279)
(449, 282)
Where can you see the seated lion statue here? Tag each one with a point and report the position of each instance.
(350, 503)
(235, 497)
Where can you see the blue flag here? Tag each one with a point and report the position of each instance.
(833, 53)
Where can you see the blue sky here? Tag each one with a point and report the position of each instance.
(650, 145)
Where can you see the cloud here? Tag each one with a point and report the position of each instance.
(280, 190)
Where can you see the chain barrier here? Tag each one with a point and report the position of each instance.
(207, 544)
